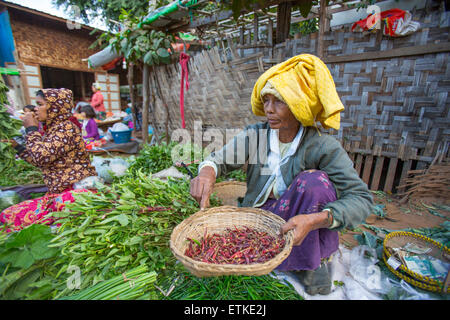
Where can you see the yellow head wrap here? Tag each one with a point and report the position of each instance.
(306, 85)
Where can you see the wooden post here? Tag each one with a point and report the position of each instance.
(83, 88)
(270, 33)
(270, 38)
(153, 104)
(241, 41)
(132, 97)
(322, 28)
(249, 37)
(255, 28)
(283, 21)
(146, 102)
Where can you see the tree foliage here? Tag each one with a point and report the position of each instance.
(106, 10)
(138, 44)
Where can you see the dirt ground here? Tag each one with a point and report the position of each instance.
(413, 214)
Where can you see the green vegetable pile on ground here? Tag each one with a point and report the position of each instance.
(21, 173)
(122, 227)
(188, 287)
(155, 158)
(26, 264)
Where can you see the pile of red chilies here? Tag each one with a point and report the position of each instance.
(235, 246)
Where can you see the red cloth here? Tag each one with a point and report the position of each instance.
(184, 59)
(35, 211)
(97, 102)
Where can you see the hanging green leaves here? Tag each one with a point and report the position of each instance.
(138, 44)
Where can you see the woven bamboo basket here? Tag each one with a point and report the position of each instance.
(439, 251)
(217, 220)
(229, 191)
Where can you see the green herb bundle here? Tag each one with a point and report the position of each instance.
(155, 158)
(122, 227)
(9, 128)
(130, 285)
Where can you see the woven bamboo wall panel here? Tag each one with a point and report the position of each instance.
(219, 93)
(397, 108)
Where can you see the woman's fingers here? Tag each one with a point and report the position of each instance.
(204, 202)
(288, 226)
(196, 189)
(201, 189)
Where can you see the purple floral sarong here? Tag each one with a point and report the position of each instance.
(310, 191)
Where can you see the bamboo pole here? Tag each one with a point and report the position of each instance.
(146, 102)
(255, 28)
(156, 134)
(132, 96)
(322, 27)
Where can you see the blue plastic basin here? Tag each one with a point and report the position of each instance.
(121, 136)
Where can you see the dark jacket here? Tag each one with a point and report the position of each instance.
(316, 151)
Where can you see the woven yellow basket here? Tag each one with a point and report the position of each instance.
(229, 191)
(439, 251)
(217, 220)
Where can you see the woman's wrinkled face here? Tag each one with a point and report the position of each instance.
(41, 109)
(278, 113)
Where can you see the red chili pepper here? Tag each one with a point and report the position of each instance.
(237, 246)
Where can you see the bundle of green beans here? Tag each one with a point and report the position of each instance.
(128, 286)
(188, 287)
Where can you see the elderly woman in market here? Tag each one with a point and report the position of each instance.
(97, 101)
(295, 170)
(60, 154)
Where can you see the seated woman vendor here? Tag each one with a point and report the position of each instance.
(59, 152)
(294, 170)
(90, 128)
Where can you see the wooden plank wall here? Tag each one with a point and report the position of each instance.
(395, 90)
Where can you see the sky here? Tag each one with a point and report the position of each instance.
(47, 7)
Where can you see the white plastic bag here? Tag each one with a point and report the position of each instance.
(93, 182)
(119, 127)
(364, 270)
(107, 169)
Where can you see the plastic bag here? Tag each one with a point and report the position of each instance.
(364, 270)
(401, 290)
(119, 127)
(92, 182)
(103, 57)
(107, 169)
(397, 23)
(9, 198)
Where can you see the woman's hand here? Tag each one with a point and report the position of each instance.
(303, 224)
(30, 120)
(202, 186)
